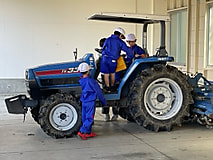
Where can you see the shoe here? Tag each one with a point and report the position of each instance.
(88, 135)
(82, 136)
(107, 89)
(114, 118)
(113, 89)
(106, 118)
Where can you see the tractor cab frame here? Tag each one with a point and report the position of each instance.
(144, 19)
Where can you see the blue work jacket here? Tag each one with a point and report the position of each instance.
(137, 50)
(91, 90)
(113, 45)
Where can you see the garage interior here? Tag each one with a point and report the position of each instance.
(36, 32)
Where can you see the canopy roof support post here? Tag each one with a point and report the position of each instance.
(162, 50)
(144, 37)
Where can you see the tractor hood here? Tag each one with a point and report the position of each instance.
(53, 75)
(58, 68)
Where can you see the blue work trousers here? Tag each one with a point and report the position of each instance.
(88, 113)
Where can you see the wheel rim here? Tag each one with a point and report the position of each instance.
(163, 98)
(63, 116)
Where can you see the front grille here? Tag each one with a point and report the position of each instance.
(59, 81)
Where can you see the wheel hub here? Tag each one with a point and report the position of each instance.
(160, 98)
(63, 116)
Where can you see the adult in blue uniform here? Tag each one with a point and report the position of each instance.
(90, 91)
(111, 52)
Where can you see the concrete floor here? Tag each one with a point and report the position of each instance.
(120, 140)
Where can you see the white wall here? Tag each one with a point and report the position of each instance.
(34, 32)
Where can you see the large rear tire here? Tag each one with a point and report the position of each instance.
(124, 113)
(60, 116)
(160, 97)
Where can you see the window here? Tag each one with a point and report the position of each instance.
(178, 33)
(210, 36)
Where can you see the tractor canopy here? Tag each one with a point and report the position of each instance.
(130, 18)
(144, 19)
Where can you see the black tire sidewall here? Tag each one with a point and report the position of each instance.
(45, 111)
(138, 89)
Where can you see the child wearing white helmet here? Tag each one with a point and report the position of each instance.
(110, 54)
(90, 91)
(138, 51)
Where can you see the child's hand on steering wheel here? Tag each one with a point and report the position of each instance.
(137, 55)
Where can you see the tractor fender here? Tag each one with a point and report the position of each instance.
(137, 66)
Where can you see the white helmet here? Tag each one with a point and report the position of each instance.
(120, 30)
(130, 37)
(83, 67)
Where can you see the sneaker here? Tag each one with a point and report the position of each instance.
(113, 89)
(88, 135)
(106, 118)
(114, 117)
(82, 136)
(107, 89)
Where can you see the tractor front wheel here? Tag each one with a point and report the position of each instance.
(60, 116)
(35, 113)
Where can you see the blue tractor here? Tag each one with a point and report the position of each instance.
(151, 93)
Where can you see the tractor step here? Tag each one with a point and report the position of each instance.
(112, 96)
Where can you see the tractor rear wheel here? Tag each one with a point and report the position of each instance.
(60, 116)
(160, 98)
(124, 113)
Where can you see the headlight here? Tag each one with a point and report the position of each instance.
(26, 74)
